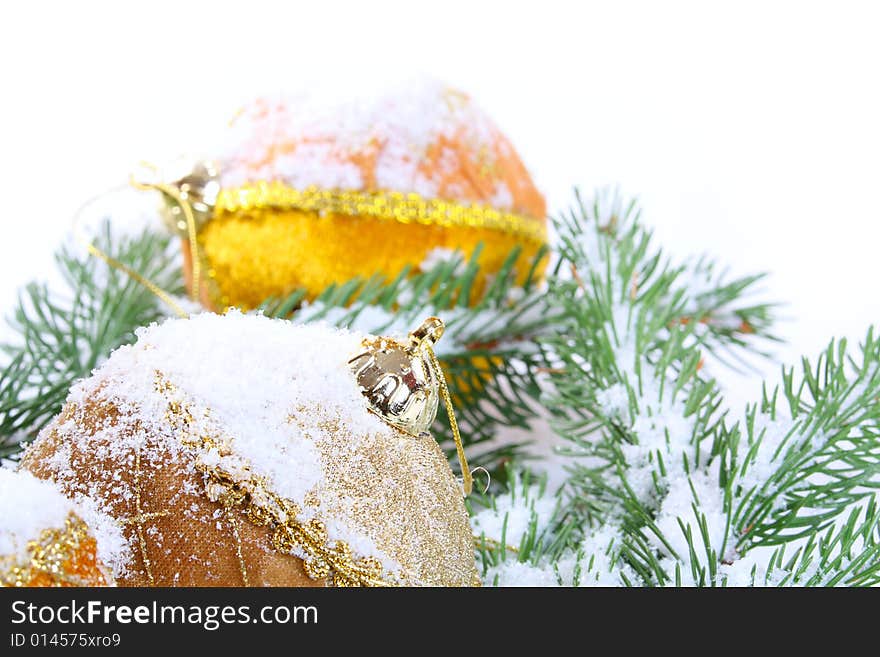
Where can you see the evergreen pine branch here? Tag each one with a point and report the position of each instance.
(625, 353)
(604, 237)
(823, 523)
(793, 471)
(63, 336)
(689, 497)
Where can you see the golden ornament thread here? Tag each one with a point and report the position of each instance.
(467, 478)
(161, 294)
(113, 263)
(191, 227)
(383, 205)
(233, 522)
(492, 544)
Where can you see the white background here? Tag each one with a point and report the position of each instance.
(748, 130)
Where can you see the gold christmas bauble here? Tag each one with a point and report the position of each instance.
(307, 194)
(241, 450)
(44, 540)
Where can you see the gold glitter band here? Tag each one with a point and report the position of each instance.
(382, 205)
(329, 561)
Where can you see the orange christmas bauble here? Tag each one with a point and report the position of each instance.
(308, 193)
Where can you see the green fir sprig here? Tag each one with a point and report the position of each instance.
(63, 334)
(664, 487)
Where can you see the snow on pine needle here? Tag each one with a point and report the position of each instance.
(802, 470)
(61, 333)
(512, 531)
(663, 488)
(513, 519)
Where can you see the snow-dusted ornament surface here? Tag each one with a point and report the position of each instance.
(308, 192)
(240, 450)
(45, 542)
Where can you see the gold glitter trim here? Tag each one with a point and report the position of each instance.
(382, 205)
(333, 562)
(48, 556)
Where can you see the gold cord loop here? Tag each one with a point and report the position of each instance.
(161, 294)
(81, 236)
(191, 227)
(468, 480)
(488, 477)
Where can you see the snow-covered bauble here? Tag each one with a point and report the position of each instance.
(48, 540)
(308, 192)
(241, 450)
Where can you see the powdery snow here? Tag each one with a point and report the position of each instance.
(29, 505)
(701, 489)
(514, 513)
(211, 360)
(112, 548)
(591, 565)
(393, 129)
(614, 401)
(208, 357)
(514, 573)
